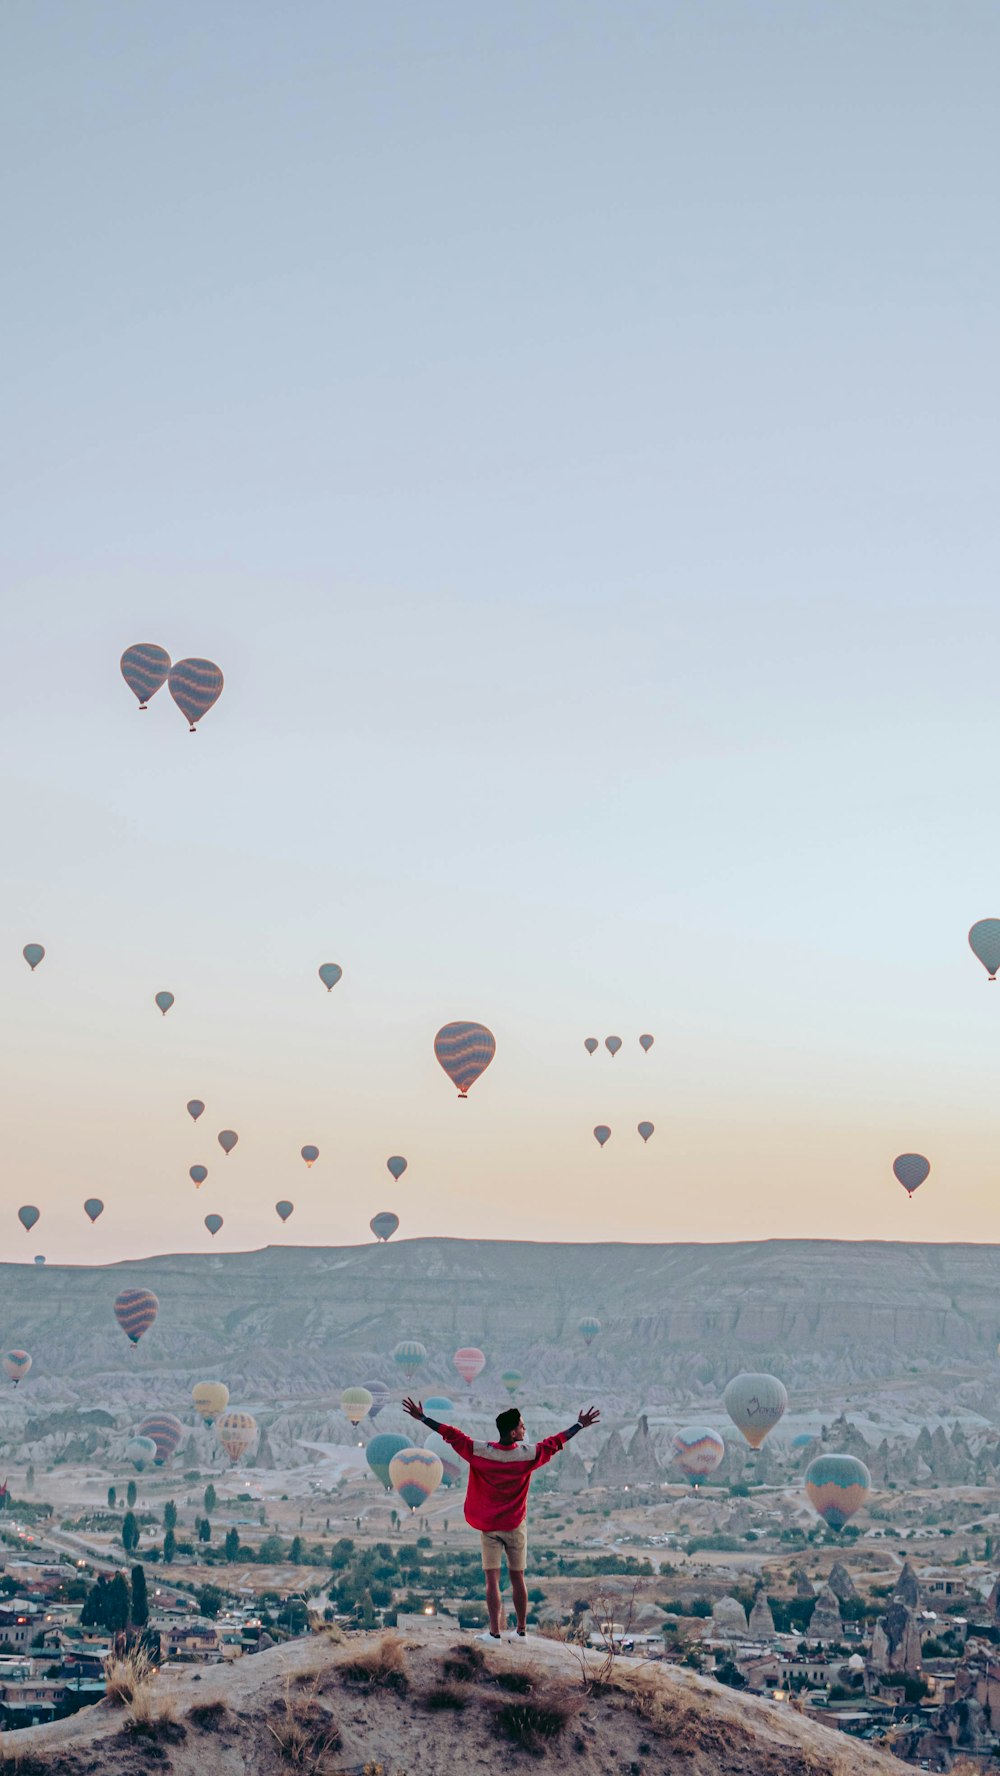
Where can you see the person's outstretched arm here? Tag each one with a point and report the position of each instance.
(460, 1443)
(547, 1447)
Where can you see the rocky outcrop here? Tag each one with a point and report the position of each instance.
(761, 1620)
(841, 1584)
(642, 1460)
(611, 1466)
(825, 1622)
(729, 1620)
(907, 1588)
(896, 1643)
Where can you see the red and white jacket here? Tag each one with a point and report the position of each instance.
(500, 1474)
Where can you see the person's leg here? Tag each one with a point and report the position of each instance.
(519, 1593)
(494, 1602)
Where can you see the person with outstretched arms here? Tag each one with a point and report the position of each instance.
(496, 1501)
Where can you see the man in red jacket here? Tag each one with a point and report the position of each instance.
(496, 1502)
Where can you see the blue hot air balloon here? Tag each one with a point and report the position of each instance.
(33, 954)
(330, 973)
(602, 1134)
(164, 1001)
(396, 1165)
(144, 668)
(984, 940)
(612, 1044)
(591, 1044)
(384, 1224)
(911, 1169)
(40, 1258)
(465, 1051)
(197, 1175)
(213, 1223)
(195, 1108)
(28, 1216)
(646, 1043)
(284, 1209)
(645, 1130)
(92, 1208)
(310, 1154)
(194, 686)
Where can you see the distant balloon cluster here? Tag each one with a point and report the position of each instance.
(614, 1043)
(195, 685)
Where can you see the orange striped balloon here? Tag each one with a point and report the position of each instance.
(464, 1051)
(135, 1311)
(194, 686)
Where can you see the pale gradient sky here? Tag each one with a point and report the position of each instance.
(573, 429)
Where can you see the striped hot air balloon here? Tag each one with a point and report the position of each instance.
(911, 1169)
(837, 1486)
(140, 1451)
(210, 1398)
(167, 1433)
(93, 1208)
(135, 1311)
(410, 1355)
(755, 1403)
(379, 1453)
(16, 1365)
(194, 686)
(470, 1362)
(416, 1475)
(589, 1328)
(698, 1450)
(380, 1396)
(451, 1466)
(355, 1404)
(464, 1051)
(384, 1224)
(144, 667)
(236, 1432)
(512, 1379)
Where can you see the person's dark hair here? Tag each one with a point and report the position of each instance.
(506, 1421)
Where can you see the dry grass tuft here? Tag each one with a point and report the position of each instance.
(153, 1717)
(447, 1695)
(305, 1734)
(381, 1667)
(516, 1683)
(464, 1663)
(210, 1717)
(534, 1722)
(124, 1677)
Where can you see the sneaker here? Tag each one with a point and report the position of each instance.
(491, 1639)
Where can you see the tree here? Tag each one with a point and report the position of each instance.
(210, 1600)
(140, 1601)
(131, 1494)
(92, 1613)
(112, 1498)
(130, 1532)
(232, 1544)
(170, 1515)
(204, 1530)
(295, 1551)
(117, 1605)
(29, 1478)
(169, 1546)
(211, 1498)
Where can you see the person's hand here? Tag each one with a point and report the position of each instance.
(588, 1418)
(413, 1408)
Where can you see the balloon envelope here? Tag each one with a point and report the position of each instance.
(470, 1362)
(396, 1165)
(164, 1001)
(236, 1432)
(379, 1453)
(140, 1451)
(93, 1207)
(602, 1133)
(39, 1258)
(911, 1169)
(410, 1355)
(591, 1044)
(416, 1474)
(16, 1365)
(144, 668)
(438, 1405)
(33, 954)
(645, 1130)
(213, 1223)
(612, 1044)
(194, 686)
(310, 1154)
(589, 1327)
(195, 1108)
(197, 1175)
(28, 1215)
(755, 1403)
(355, 1404)
(512, 1379)
(167, 1433)
(284, 1209)
(379, 1393)
(698, 1450)
(837, 1486)
(465, 1051)
(384, 1224)
(646, 1043)
(451, 1466)
(330, 973)
(984, 940)
(210, 1398)
(135, 1311)
(227, 1139)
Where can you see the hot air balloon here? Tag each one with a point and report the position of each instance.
(16, 1365)
(755, 1403)
(396, 1166)
(236, 1432)
(837, 1486)
(144, 668)
(310, 1155)
(416, 1476)
(645, 1130)
(379, 1453)
(227, 1139)
(33, 954)
(330, 973)
(410, 1355)
(464, 1051)
(164, 1001)
(140, 1451)
(194, 686)
(911, 1169)
(39, 1257)
(439, 1406)
(28, 1215)
(451, 1466)
(589, 1328)
(470, 1362)
(92, 1208)
(698, 1450)
(646, 1043)
(167, 1433)
(512, 1379)
(284, 1209)
(197, 1175)
(612, 1044)
(135, 1311)
(984, 940)
(195, 1108)
(380, 1395)
(384, 1224)
(210, 1398)
(213, 1223)
(591, 1044)
(602, 1133)
(355, 1404)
